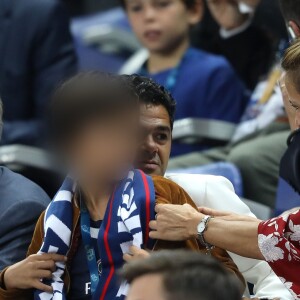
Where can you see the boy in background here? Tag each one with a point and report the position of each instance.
(204, 85)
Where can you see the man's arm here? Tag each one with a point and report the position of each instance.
(53, 60)
(16, 231)
(18, 280)
(170, 194)
(207, 190)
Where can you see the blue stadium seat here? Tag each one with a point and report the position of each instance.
(103, 41)
(227, 170)
(286, 198)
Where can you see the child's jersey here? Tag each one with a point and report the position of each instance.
(80, 288)
(204, 86)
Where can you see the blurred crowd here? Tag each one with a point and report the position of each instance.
(167, 134)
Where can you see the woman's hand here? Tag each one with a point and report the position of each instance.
(175, 222)
(135, 253)
(27, 274)
(224, 215)
(214, 213)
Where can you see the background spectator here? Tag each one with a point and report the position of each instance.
(21, 203)
(179, 275)
(260, 140)
(36, 53)
(248, 40)
(213, 91)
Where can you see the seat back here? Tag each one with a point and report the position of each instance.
(286, 198)
(196, 130)
(261, 211)
(35, 164)
(103, 41)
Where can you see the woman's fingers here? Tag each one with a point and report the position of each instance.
(213, 212)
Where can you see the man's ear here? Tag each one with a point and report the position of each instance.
(295, 28)
(196, 12)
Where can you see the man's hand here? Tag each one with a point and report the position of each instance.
(27, 274)
(175, 222)
(227, 13)
(135, 253)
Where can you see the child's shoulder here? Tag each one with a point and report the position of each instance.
(203, 59)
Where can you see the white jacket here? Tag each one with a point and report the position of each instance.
(218, 193)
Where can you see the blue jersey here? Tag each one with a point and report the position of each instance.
(80, 288)
(206, 87)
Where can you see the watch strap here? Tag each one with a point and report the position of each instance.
(201, 238)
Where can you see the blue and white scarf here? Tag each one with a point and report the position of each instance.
(126, 223)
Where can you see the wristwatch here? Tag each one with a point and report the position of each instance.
(201, 228)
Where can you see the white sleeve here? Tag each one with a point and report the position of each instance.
(266, 283)
(215, 192)
(218, 193)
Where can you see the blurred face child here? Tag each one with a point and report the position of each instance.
(99, 134)
(163, 25)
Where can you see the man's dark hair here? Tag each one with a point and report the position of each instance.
(188, 3)
(151, 93)
(186, 275)
(86, 97)
(290, 10)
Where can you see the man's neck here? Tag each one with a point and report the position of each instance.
(160, 61)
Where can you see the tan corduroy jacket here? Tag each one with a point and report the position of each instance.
(167, 192)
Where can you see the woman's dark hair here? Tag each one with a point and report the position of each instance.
(186, 275)
(87, 97)
(188, 3)
(151, 93)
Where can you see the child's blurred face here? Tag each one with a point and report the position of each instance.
(161, 25)
(105, 150)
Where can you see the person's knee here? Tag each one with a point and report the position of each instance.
(245, 159)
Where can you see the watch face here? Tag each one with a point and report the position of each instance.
(201, 227)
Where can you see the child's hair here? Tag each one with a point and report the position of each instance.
(151, 93)
(87, 97)
(188, 3)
